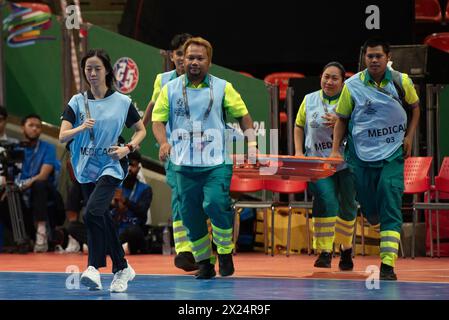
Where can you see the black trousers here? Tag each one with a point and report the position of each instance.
(102, 235)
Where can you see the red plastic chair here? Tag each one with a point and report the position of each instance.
(438, 40)
(441, 185)
(281, 79)
(287, 187)
(416, 181)
(245, 185)
(428, 11)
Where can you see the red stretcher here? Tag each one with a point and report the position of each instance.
(285, 167)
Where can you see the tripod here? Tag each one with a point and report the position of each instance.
(16, 214)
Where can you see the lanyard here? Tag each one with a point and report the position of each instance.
(86, 106)
(324, 105)
(132, 192)
(186, 102)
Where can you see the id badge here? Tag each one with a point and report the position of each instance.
(92, 169)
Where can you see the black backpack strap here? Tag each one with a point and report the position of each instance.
(397, 81)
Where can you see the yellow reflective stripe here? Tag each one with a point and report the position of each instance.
(323, 243)
(324, 224)
(222, 231)
(345, 224)
(182, 246)
(325, 219)
(344, 232)
(179, 229)
(388, 233)
(201, 243)
(178, 223)
(323, 235)
(202, 248)
(389, 245)
(388, 258)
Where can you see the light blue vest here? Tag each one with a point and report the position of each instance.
(379, 122)
(196, 141)
(90, 159)
(319, 137)
(167, 76)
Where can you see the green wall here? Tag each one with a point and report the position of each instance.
(34, 77)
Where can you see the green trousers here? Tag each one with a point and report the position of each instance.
(334, 210)
(379, 192)
(203, 194)
(182, 242)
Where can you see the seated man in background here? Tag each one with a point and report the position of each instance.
(130, 206)
(37, 181)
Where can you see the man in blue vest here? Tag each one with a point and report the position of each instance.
(193, 106)
(184, 258)
(373, 107)
(131, 203)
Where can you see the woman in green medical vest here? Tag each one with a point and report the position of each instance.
(334, 205)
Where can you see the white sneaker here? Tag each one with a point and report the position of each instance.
(73, 246)
(91, 279)
(121, 278)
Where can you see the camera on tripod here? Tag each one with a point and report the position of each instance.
(12, 155)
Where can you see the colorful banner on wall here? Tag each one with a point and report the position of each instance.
(25, 24)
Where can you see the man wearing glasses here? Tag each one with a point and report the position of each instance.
(373, 107)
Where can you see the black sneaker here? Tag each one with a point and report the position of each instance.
(225, 264)
(346, 263)
(324, 260)
(387, 273)
(186, 261)
(206, 270)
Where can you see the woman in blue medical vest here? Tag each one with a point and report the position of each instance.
(94, 120)
(334, 206)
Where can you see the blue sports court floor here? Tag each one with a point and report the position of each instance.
(62, 286)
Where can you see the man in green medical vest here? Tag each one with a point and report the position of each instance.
(194, 107)
(373, 107)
